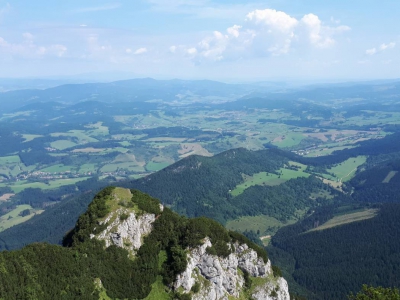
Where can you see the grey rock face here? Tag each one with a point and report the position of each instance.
(126, 233)
(220, 277)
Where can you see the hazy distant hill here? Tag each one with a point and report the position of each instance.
(135, 90)
(146, 89)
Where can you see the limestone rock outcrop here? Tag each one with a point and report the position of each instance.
(222, 277)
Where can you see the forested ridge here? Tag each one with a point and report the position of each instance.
(332, 262)
(197, 186)
(83, 268)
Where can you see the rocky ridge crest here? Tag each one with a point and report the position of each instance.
(216, 277)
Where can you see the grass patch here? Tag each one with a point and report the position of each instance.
(125, 144)
(30, 137)
(268, 179)
(129, 166)
(88, 150)
(53, 184)
(14, 159)
(56, 169)
(166, 139)
(347, 218)
(389, 176)
(122, 194)
(346, 170)
(85, 168)
(97, 129)
(62, 144)
(12, 218)
(158, 291)
(78, 134)
(289, 139)
(262, 224)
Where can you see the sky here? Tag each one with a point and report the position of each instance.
(227, 40)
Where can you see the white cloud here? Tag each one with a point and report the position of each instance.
(319, 35)
(58, 50)
(28, 36)
(191, 51)
(128, 50)
(313, 24)
(371, 51)
(172, 49)
(265, 32)
(140, 51)
(277, 20)
(28, 49)
(383, 47)
(234, 30)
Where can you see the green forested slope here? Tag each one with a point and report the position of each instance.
(332, 262)
(198, 186)
(43, 271)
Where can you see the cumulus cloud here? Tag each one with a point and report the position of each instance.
(191, 51)
(264, 32)
(371, 51)
(234, 30)
(383, 47)
(275, 20)
(172, 49)
(140, 51)
(29, 49)
(314, 26)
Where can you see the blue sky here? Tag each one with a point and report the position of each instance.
(223, 40)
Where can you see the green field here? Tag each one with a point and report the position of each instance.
(158, 291)
(53, 184)
(322, 151)
(348, 218)
(30, 137)
(97, 129)
(80, 135)
(14, 159)
(346, 170)
(129, 166)
(389, 176)
(125, 144)
(62, 144)
(12, 218)
(289, 139)
(87, 168)
(56, 169)
(269, 179)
